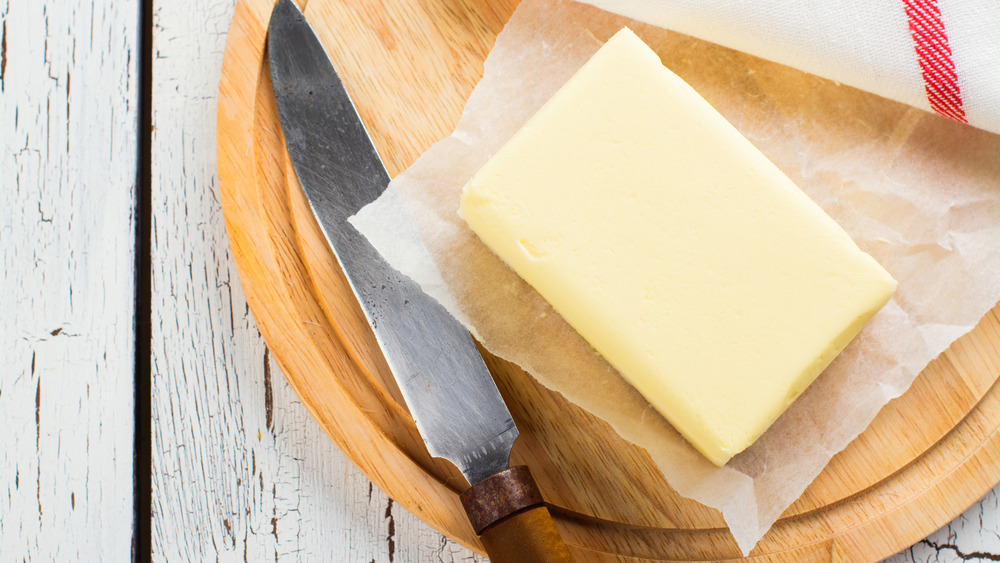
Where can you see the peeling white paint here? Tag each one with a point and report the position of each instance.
(68, 148)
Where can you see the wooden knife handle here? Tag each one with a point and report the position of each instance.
(507, 511)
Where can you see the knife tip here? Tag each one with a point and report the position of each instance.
(284, 9)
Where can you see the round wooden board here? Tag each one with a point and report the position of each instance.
(409, 67)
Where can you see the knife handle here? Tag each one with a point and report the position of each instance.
(507, 512)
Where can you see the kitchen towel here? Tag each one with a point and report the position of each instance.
(937, 55)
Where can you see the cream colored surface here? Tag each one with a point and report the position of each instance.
(689, 261)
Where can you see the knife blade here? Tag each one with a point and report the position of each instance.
(450, 393)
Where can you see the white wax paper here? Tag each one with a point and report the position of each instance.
(919, 193)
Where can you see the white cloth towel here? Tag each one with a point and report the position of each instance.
(938, 55)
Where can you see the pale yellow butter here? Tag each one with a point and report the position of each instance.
(688, 260)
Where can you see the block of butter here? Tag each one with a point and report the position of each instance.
(710, 281)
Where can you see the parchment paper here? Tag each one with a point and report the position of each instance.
(919, 193)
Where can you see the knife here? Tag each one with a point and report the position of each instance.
(444, 381)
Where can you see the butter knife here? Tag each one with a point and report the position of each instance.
(447, 387)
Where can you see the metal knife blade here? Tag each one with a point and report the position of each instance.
(450, 393)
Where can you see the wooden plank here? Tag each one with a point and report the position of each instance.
(68, 105)
(240, 469)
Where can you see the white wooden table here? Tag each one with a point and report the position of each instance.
(231, 466)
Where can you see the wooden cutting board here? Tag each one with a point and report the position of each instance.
(409, 66)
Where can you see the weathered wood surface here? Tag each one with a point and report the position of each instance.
(68, 148)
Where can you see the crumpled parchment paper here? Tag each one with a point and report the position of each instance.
(919, 193)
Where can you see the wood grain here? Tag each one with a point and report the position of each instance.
(68, 151)
(926, 457)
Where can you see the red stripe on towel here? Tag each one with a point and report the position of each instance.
(934, 55)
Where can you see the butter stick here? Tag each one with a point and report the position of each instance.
(697, 269)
